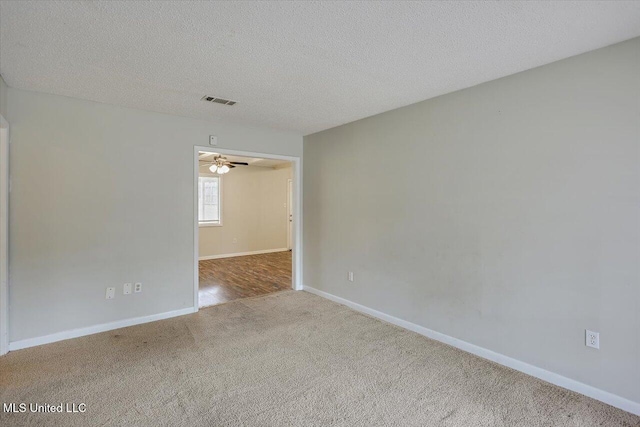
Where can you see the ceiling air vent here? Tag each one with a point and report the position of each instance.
(218, 100)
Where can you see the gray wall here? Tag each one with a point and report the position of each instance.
(506, 215)
(4, 187)
(85, 215)
(3, 98)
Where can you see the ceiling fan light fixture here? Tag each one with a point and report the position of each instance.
(213, 168)
(223, 169)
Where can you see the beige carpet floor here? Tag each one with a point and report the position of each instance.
(290, 358)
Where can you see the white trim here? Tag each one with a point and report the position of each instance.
(90, 330)
(4, 236)
(297, 263)
(196, 229)
(534, 371)
(289, 213)
(264, 251)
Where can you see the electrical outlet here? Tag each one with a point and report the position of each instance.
(111, 293)
(127, 289)
(138, 287)
(350, 276)
(592, 339)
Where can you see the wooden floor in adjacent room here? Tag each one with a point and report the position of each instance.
(227, 279)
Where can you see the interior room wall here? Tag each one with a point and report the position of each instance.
(506, 215)
(4, 193)
(3, 98)
(102, 196)
(254, 213)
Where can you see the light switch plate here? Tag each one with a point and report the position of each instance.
(213, 140)
(111, 293)
(127, 289)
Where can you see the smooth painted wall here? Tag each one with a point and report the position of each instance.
(3, 98)
(254, 212)
(506, 215)
(85, 215)
(4, 190)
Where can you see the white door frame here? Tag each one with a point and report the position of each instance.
(4, 236)
(289, 213)
(297, 212)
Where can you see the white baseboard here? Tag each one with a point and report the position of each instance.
(264, 251)
(80, 332)
(534, 371)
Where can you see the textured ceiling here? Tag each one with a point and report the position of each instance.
(298, 66)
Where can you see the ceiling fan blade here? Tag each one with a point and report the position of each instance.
(231, 166)
(239, 163)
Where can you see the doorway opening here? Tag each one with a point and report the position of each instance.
(246, 225)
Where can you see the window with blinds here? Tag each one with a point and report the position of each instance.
(209, 200)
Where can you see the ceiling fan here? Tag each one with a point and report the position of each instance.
(221, 165)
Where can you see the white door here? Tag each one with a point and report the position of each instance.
(290, 214)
